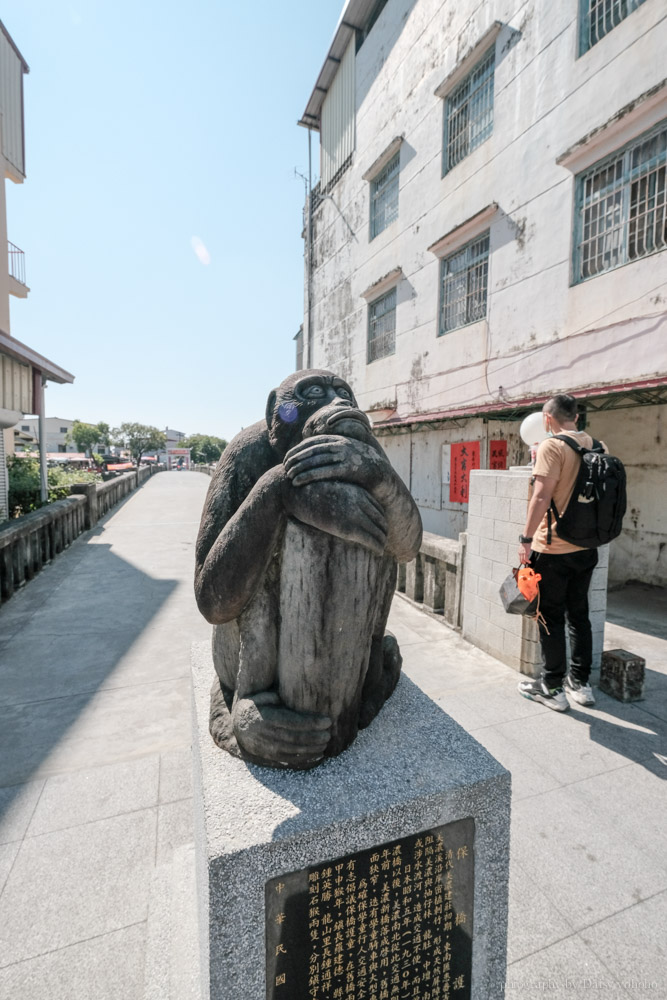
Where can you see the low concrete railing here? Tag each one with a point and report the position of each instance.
(435, 578)
(27, 543)
(208, 470)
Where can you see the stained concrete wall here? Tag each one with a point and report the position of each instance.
(541, 334)
(421, 458)
(638, 436)
(539, 331)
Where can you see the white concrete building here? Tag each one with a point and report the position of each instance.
(23, 372)
(57, 429)
(489, 228)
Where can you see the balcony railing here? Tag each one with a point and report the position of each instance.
(16, 263)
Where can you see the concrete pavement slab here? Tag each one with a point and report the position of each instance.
(96, 793)
(633, 944)
(583, 742)
(8, 854)
(534, 922)
(528, 777)
(567, 970)
(85, 731)
(579, 858)
(108, 967)
(175, 774)
(175, 828)
(75, 884)
(632, 802)
(17, 804)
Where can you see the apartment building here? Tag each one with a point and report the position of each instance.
(489, 228)
(23, 372)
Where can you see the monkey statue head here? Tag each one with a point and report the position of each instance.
(299, 398)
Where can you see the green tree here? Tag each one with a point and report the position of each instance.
(203, 447)
(105, 434)
(85, 436)
(139, 438)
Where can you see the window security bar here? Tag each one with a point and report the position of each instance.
(469, 112)
(599, 17)
(464, 279)
(382, 326)
(622, 207)
(384, 197)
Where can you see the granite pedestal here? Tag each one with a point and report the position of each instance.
(413, 774)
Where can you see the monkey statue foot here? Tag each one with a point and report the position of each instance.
(263, 731)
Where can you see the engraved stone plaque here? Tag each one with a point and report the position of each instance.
(393, 922)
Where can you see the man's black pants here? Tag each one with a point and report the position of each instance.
(564, 589)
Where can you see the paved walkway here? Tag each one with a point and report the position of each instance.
(95, 793)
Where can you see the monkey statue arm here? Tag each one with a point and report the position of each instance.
(242, 522)
(333, 457)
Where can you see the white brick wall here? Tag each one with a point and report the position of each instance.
(496, 517)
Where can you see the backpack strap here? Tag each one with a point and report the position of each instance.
(579, 448)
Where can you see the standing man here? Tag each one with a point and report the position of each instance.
(566, 569)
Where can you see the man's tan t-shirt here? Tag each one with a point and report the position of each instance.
(556, 460)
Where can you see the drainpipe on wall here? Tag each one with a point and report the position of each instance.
(309, 250)
(38, 393)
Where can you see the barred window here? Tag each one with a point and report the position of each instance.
(599, 17)
(384, 197)
(463, 285)
(469, 112)
(622, 207)
(382, 326)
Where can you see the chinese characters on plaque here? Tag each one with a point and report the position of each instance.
(497, 454)
(390, 923)
(465, 456)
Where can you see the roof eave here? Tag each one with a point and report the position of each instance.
(15, 349)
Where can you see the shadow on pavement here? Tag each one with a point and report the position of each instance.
(636, 730)
(70, 633)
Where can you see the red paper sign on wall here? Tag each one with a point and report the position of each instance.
(465, 456)
(497, 454)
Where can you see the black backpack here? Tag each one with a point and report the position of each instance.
(594, 514)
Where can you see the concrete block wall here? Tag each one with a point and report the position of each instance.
(496, 517)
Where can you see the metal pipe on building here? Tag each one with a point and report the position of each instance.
(43, 474)
(309, 250)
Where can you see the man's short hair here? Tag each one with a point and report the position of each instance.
(562, 407)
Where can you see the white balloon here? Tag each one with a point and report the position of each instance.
(532, 429)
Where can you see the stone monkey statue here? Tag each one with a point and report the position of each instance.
(302, 527)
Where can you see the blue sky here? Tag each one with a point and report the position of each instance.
(147, 124)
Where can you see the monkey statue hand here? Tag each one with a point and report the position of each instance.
(274, 735)
(331, 456)
(338, 508)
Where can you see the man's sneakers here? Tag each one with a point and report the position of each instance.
(538, 691)
(555, 698)
(582, 693)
